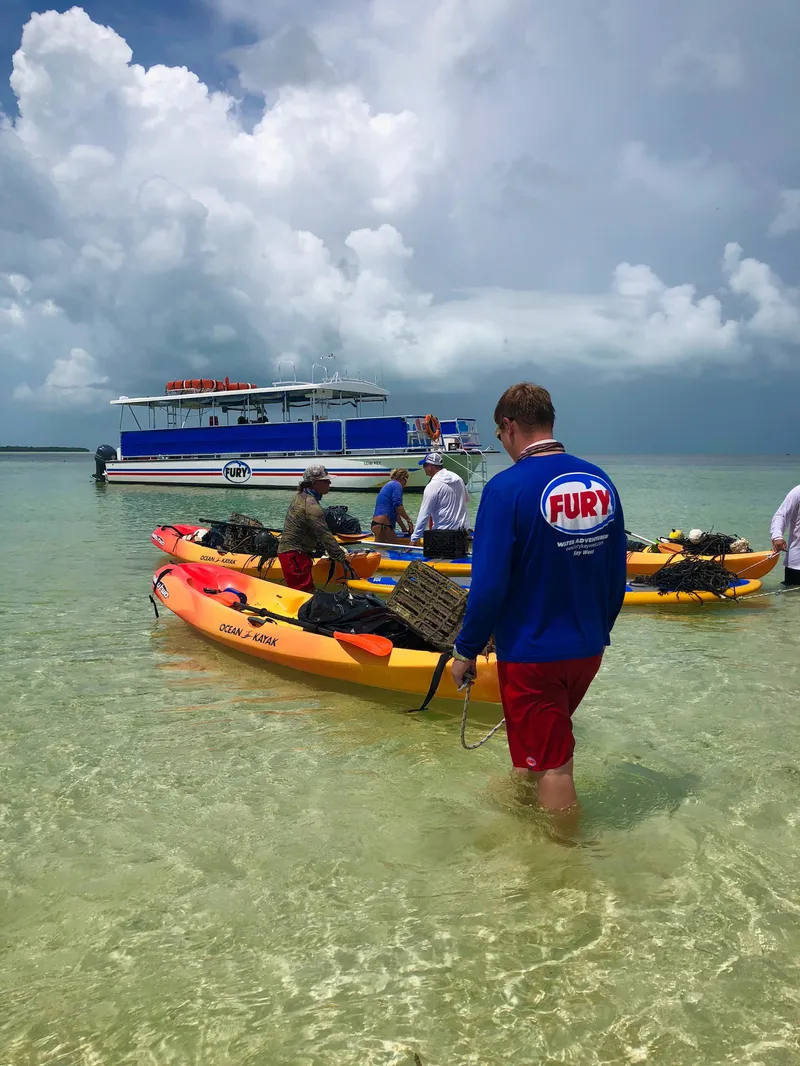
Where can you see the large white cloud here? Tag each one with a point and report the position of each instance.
(146, 228)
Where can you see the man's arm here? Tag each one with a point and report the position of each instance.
(784, 516)
(325, 538)
(428, 499)
(492, 552)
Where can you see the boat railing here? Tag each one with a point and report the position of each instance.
(290, 362)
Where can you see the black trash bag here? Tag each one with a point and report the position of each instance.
(214, 538)
(339, 521)
(344, 611)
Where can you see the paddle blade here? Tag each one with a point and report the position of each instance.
(370, 642)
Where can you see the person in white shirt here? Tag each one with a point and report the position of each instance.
(787, 520)
(444, 500)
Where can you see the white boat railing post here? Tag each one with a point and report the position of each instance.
(479, 475)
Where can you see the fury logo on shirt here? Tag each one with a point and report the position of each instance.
(578, 503)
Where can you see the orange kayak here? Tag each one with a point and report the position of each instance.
(176, 541)
(750, 565)
(202, 595)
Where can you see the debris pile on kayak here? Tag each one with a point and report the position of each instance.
(430, 604)
(240, 535)
(329, 612)
(700, 542)
(692, 576)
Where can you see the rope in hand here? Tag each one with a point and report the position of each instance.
(483, 740)
(753, 565)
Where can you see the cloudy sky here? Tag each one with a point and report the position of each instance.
(600, 195)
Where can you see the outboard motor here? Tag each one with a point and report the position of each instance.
(104, 454)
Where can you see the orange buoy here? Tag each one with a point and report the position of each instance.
(432, 427)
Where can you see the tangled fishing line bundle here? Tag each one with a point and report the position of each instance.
(692, 576)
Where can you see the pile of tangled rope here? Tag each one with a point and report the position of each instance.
(692, 575)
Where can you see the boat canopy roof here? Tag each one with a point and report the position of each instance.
(334, 388)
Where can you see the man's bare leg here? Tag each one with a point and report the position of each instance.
(555, 789)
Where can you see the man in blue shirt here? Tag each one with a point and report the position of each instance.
(548, 580)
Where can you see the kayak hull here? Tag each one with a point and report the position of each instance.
(172, 540)
(180, 587)
(382, 585)
(395, 562)
(651, 597)
(395, 559)
(751, 565)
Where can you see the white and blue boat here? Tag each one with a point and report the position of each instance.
(223, 433)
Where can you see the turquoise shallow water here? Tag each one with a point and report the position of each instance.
(206, 861)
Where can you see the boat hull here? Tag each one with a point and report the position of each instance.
(363, 474)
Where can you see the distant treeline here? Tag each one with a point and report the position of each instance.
(31, 448)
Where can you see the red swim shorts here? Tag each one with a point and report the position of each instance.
(296, 568)
(539, 700)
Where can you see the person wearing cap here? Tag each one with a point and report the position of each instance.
(444, 501)
(389, 509)
(305, 531)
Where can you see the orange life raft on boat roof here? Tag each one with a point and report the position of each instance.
(187, 385)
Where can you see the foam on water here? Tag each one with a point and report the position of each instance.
(203, 859)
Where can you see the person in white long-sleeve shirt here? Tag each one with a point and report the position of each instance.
(785, 535)
(444, 500)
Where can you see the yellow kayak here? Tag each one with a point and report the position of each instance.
(203, 596)
(397, 562)
(751, 566)
(635, 596)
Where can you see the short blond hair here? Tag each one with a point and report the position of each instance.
(399, 473)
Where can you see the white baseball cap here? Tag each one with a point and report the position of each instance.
(432, 459)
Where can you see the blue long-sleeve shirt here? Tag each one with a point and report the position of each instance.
(548, 562)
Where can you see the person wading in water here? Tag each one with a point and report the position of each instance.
(548, 581)
(389, 509)
(305, 531)
(786, 520)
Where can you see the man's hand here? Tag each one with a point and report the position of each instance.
(779, 544)
(461, 671)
